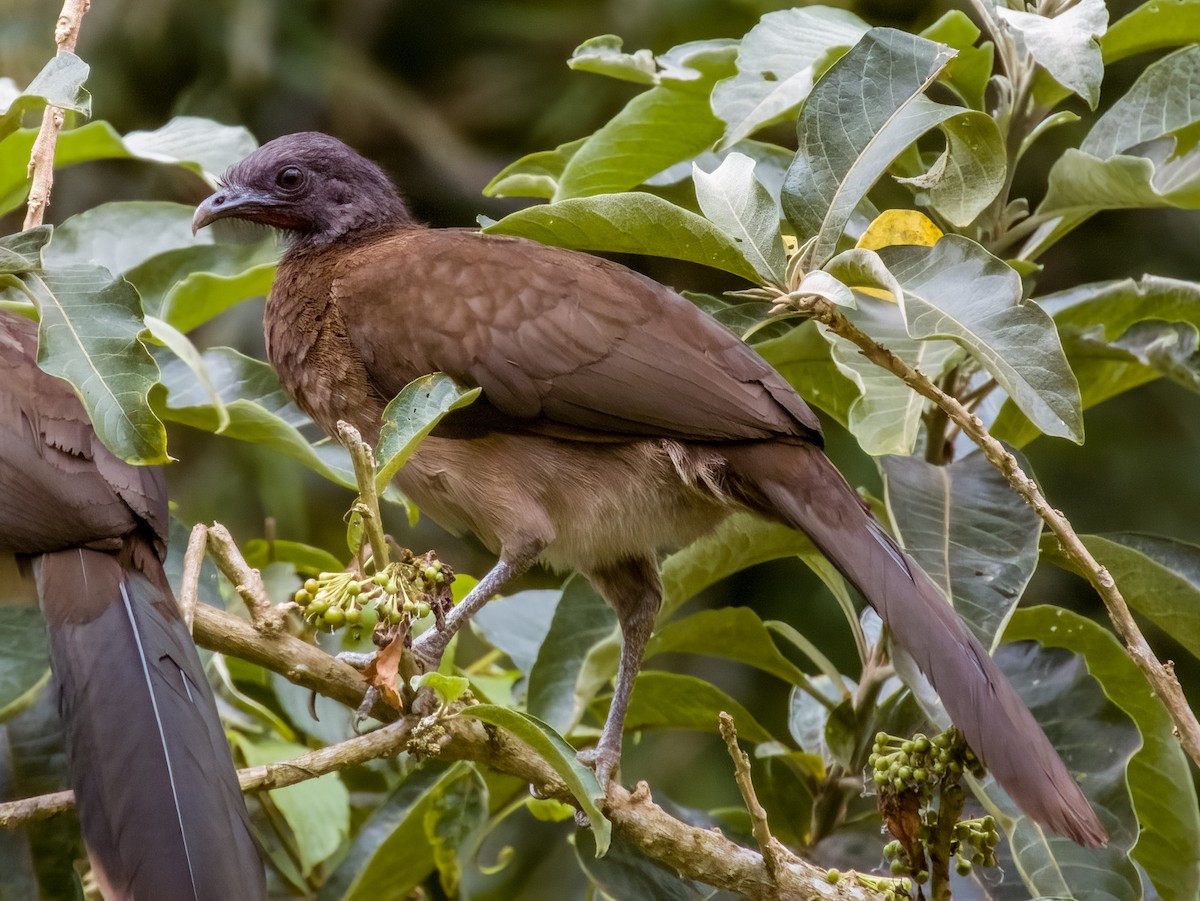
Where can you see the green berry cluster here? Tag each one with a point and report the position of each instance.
(921, 763)
(405, 589)
(975, 844)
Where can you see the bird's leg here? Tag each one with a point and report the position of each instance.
(633, 590)
(430, 646)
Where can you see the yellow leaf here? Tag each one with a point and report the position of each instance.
(899, 227)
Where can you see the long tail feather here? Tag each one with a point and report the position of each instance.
(800, 484)
(158, 798)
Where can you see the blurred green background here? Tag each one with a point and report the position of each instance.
(443, 95)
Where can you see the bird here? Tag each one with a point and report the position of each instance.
(616, 422)
(159, 804)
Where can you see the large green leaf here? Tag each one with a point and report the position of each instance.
(60, 83)
(971, 533)
(778, 61)
(1067, 45)
(1092, 318)
(667, 124)
(454, 825)
(968, 73)
(883, 77)
(91, 329)
(23, 251)
(733, 200)
(580, 780)
(184, 279)
(411, 415)
(392, 852)
(1154, 24)
(957, 290)
(1164, 795)
(316, 810)
(885, 416)
(628, 223)
(258, 411)
(1131, 158)
(517, 624)
(735, 633)
(201, 146)
(581, 620)
(1159, 578)
(672, 701)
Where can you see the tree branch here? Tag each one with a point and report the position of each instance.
(41, 158)
(1161, 678)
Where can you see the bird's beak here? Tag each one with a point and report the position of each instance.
(239, 203)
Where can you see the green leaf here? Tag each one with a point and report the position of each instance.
(454, 824)
(968, 73)
(391, 852)
(184, 350)
(1153, 25)
(737, 203)
(1067, 46)
(1162, 101)
(411, 415)
(672, 701)
(23, 251)
(201, 146)
(316, 810)
(659, 127)
(60, 83)
(1159, 577)
(259, 412)
(628, 223)
(603, 56)
(969, 173)
(735, 633)
(883, 76)
(1164, 795)
(307, 560)
(24, 653)
(957, 290)
(971, 533)
(1091, 318)
(448, 688)
(91, 326)
(183, 279)
(517, 624)
(777, 62)
(581, 620)
(580, 780)
(533, 175)
(741, 541)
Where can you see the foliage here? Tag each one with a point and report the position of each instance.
(702, 165)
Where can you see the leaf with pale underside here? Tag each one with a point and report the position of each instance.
(60, 84)
(411, 415)
(733, 200)
(1067, 45)
(778, 61)
(883, 76)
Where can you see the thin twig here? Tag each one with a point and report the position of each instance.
(246, 580)
(775, 854)
(368, 506)
(1161, 678)
(41, 158)
(189, 584)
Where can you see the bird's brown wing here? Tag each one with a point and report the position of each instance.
(557, 336)
(48, 451)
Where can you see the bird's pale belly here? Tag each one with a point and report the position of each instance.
(589, 505)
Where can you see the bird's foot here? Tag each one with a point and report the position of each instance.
(363, 712)
(604, 760)
(428, 649)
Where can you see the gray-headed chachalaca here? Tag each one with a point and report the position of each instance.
(617, 421)
(162, 816)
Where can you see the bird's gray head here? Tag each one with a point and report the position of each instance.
(311, 186)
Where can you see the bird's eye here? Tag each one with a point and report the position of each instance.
(290, 178)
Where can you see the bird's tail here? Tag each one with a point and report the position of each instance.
(798, 483)
(154, 780)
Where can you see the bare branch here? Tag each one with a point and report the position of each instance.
(246, 580)
(368, 506)
(41, 159)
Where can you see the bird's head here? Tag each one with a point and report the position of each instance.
(310, 186)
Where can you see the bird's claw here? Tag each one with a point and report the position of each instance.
(357, 659)
(363, 712)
